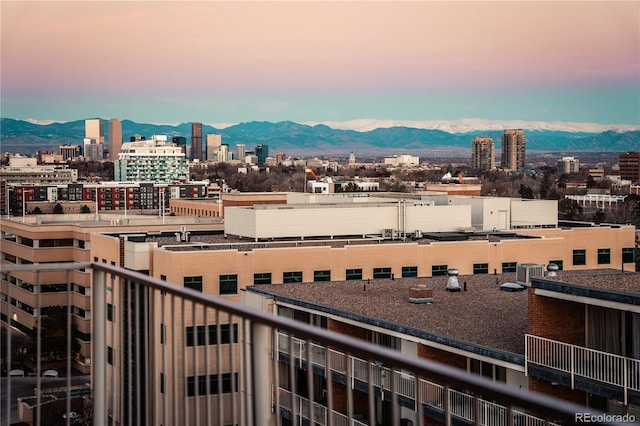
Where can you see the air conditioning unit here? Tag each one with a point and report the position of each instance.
(526, 271)
(388, 233)
(417, 234)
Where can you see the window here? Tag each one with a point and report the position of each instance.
(163, 334)
(628, 255)
(110, 312)
(439, 270)
(263, 278)
(292, 277)
(322, 275)
(381, 272)
(509, 267)
(228, 284)
(604, 256)
(163, 277)
(228, 384)
(109, 355)
(480, 268)
(196, 336)
(579, 257)
(194, 283)
(161, 382)
(409, 271)
(354, 274)
(488, 370)
(557, 262)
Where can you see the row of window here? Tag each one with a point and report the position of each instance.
(200, 336)
(228, 284)
(210, 385)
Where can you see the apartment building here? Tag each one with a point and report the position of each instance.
(60, 239)
(483, 154)
(513, 150)
(594, 357)
(154, 160)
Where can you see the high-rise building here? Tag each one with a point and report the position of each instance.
(68, 152)
(352, 159)
(568, 165)
(630, 166)
(94, 139)
(262, 152)
(213, 146)
(241, 150)
(483, 155)
(196, 142)
(151, 161)
(115, 138)
(513, 145)
(181, 141)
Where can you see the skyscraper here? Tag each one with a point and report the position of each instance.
(262, 152)
(93, 139)
(630, 166)
(483, 153)
(213, 146)
(513, 150)
(115, 138)
(196, 142)
(241, 150)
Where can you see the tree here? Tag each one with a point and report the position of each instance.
(526, 192)
(53, 332)
(57, 209)
(36, 210)
(599, 217)
(569, 209)
(85, 209)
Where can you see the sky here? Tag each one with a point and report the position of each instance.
(321, 62)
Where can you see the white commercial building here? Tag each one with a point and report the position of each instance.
(154, 160)
(402, 160)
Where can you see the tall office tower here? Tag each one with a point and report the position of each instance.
(68, 152)
(262, 152)
(94, 139)
(241, 150)
(630, 166)
(196, 142)
(483, 153)
(568, 165)
(213, 146)
(513, 149)
(222, 155)
(280, 157)
(180, 141)
(352, 159)
(115, 138)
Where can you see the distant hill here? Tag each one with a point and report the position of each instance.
(300, 139)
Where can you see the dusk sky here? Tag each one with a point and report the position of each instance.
(229, 62)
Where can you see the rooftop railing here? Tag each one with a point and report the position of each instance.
(165, 354)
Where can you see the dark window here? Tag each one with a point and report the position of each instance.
(508, 267)
(227, 333)
(579, 257)
(110, 355)
(163, 334)
(229, 383)
(228, 284)
(263, 278)
(292, 277)
(196, 333)
(354, 274)
(381, 272)
(628, 255)
(161, 382)
(557, 262)
(110, 311)
(409, 271)
(604, 256)
(322, 275)
(439, 270)
(480, 268)
(194, 283)
(163, 277)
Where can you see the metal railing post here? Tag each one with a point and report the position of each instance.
(260, 372)
(99, 352)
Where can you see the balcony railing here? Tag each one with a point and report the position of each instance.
(143, 372)
(578, 361)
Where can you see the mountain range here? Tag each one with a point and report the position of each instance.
(292, 138)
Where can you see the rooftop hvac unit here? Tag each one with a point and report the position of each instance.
(388, 234)
(526, 271)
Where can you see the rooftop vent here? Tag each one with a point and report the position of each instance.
(511, 287)
(526, 271)
(452, 283)
(552, 270)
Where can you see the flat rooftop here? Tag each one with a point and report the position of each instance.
(483, 315)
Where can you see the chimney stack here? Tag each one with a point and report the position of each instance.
(452, 283)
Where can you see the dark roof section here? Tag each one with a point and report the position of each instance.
(482, 320)
(614, 286)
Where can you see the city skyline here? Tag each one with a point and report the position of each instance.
(351, 64)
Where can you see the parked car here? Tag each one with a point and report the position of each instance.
(16, 373)
(50, 373)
